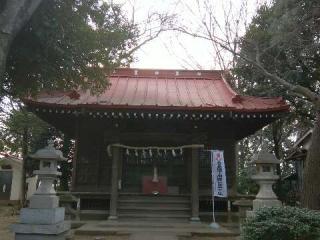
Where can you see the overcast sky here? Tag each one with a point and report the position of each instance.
(177, 51)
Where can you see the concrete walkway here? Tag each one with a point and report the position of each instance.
(152, 236)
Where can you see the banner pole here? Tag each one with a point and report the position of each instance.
(213, 224)
(212, 184)
(213, 217)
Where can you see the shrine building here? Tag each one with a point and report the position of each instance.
(140, 146)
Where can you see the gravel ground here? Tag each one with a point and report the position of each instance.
(101, 238)
(126, 238)
(7, 217)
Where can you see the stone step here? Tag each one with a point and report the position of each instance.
(94, 214)
(127, 231)
(143, 213)
(151, 236)
(152, 205)
(163, 215)
(154, 208)
(155, 200)
(154, 197)
(155, 219)
(140, 223)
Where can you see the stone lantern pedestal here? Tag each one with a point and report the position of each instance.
(44, 219)
(266, 176)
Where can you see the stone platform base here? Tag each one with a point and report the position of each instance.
(56, 231)
(259, 203)
(40, 237)
(156, 228)
(41, 216)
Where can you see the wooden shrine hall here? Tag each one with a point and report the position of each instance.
(140, 145)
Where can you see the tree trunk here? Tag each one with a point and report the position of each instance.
(23, 173)
(276, 136)
(311, 180)
(4, 48)
(15, 14)
(64, 165)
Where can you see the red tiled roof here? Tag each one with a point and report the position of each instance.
(163, 89)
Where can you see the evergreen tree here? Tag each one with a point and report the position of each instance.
(282, 46)
(69, 44)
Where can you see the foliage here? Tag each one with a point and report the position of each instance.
(287, 192)
(67, 44)
(245, 184)
(284, 39)
(278, 138)
(66, 146)
(246, 149)
(21, 126)
(282, 223)
(16, 125)
(277, 56)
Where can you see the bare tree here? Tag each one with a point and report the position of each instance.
(225, 21)
(151, 27)
(225, 37)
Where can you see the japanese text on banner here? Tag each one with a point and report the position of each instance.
(218, 171)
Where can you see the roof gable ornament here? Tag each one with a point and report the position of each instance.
(73, 95)
(237, 99)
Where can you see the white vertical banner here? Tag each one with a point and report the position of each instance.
(218, 173)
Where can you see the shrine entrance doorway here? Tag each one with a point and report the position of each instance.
(154, 172)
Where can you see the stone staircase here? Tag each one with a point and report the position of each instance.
(154, 208)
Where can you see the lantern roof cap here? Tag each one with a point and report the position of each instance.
(265, 157)
(49, 153)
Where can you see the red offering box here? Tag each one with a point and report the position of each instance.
(150, 187)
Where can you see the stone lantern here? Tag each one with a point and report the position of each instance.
(265, 176)
(45, 196)
(44, 219)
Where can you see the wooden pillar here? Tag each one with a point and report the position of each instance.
(233, 167)
(75, 156)
(195, 185)
(114, 183)
(120, 167)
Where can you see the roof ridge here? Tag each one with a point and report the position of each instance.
(165, 73)
(170, 69)
(169, 78)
